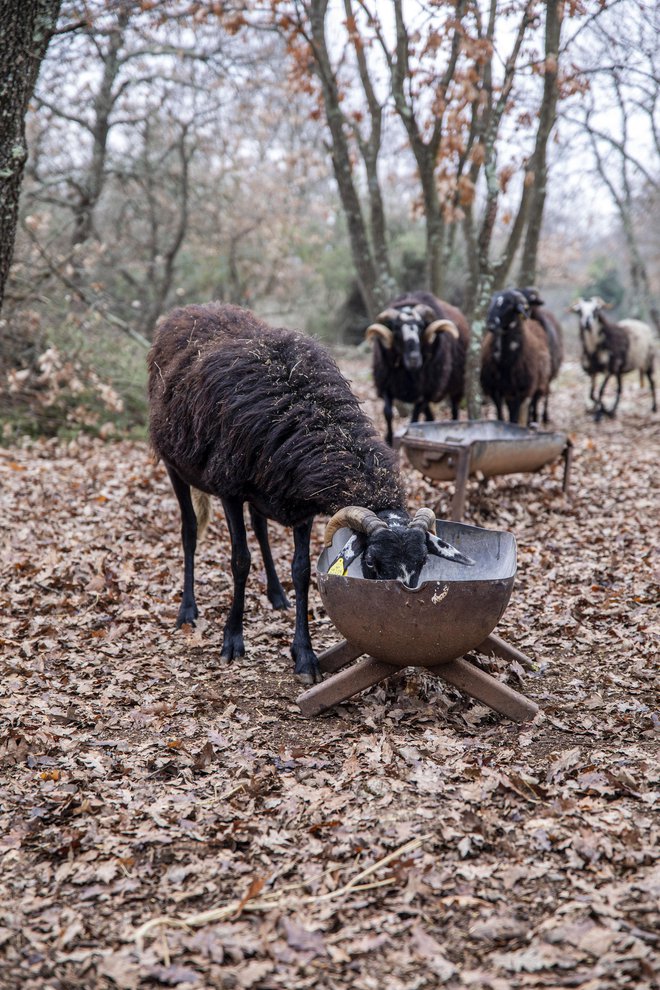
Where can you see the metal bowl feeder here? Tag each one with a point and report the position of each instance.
(453, 610)
(447, 451)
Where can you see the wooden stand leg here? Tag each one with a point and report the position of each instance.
(494, 646)
(462, 472)
(344, 685)
(485, 688)
(337, 656)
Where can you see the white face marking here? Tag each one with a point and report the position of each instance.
(410, 333)
(404, 574)
(513, 346)
(586, 310)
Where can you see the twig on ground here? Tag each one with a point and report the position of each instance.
(277, 898)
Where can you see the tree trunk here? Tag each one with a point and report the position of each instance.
(547, 117)
(104, 101)
(341, 162)
(26, 27)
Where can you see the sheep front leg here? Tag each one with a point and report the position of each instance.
(612, 411)
(188, 609)
(232, 640)
(306, 664)
(387, 412)
(600, 405)
(274, 589)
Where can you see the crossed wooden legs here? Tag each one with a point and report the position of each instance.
(344, 683)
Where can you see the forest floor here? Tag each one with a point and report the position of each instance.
(142, 778)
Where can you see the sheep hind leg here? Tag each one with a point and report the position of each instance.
(232, 640)
(306, 663)
(649, 375)
(274, 590)
(188, 609)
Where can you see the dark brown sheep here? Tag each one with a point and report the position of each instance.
(515, 358)
(554, 334)
(253, 414)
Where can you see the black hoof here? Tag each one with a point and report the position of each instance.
(187, 615)
(278, 599)
(232, 648)
(306, 666)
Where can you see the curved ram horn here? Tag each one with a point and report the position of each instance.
(423, 519)
(355, 517)
(378, 330)
(440, 326)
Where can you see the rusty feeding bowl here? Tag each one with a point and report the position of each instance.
(494, 447)
(452, 611)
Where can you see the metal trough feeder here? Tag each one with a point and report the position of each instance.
(454, 610)
(447, 451)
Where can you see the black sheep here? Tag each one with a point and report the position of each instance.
(260, 415)
(420, 344)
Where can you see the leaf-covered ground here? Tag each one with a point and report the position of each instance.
(410, 838)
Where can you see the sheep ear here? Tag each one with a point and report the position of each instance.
(439, 548)
(348, 553)
(575, 307)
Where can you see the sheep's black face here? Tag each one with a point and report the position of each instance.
(503, 313)
(395, 555)
(400, 554)
(504, 309)
(407, 330)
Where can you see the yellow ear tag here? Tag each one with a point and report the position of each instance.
(338, 567)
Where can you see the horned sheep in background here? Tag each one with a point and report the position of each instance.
(253, 414)
(613, 349)
(515, 358)
(419, 351)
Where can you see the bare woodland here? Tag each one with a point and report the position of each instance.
(169, 819)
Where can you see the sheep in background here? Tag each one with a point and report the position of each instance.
(515, 358)
(613, 349)
(260, 415)
(553, 331)
(419, 351)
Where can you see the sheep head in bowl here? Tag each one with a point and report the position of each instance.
(392, 546)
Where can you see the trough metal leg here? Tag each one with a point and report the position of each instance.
(494, 646)
(568, 458)
(486, 689)
(462, 472)
(342, 686)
